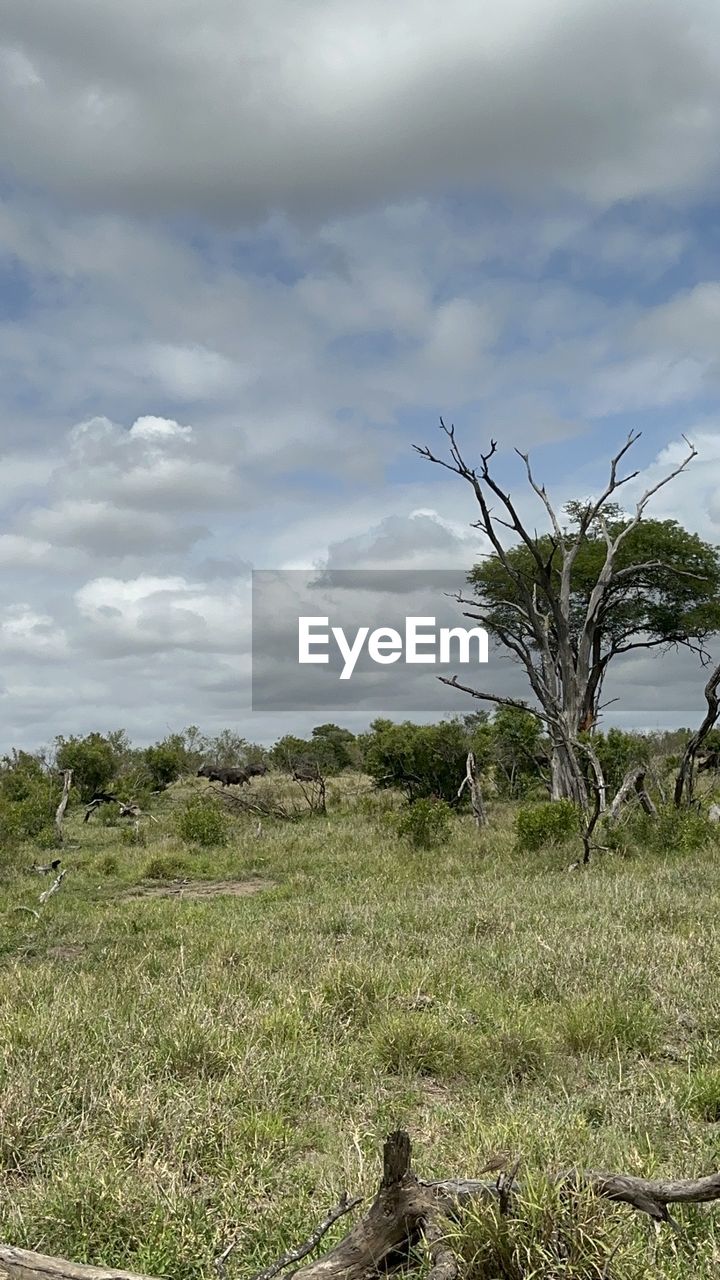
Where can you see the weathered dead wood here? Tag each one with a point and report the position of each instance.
(53, 888)
(22, 1264)
(634, 781)
(686, 774)
(60, 811)
(404, 1211)
(471, 782)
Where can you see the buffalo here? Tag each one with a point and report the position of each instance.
(228, 777)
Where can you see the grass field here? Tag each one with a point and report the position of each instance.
(178, 1072)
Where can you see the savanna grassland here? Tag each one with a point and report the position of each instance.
(178, 1072)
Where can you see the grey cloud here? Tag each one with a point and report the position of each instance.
(329, 106)
(106, 530)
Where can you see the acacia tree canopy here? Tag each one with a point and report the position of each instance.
(567, 601)
(666, 589)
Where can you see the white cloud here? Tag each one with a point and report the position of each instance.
(19, 552)
(156, 614)
(150, 428)
(29, 634)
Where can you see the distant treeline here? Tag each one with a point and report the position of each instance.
(422, 760)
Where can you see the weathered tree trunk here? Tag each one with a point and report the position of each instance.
(60, 811)
(567, 781)
(471, 782)
(686, 776)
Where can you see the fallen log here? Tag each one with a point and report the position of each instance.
(405, 1211)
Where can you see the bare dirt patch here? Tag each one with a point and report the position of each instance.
(64, 953)
(200, 889)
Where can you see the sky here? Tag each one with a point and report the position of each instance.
(249, 254)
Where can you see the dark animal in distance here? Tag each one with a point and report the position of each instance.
(228, 777)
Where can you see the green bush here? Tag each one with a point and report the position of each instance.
(48, 838)
(672, 831)
(166, 761)
(201, 821)
(93, 759)
(109, 815)
(29, 796)
(550, 822)
(423, 760)
(421, 1044)
(166, 867)
(424, 823)
(135, 837)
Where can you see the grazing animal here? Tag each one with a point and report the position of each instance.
(256, 770)
(228, 777)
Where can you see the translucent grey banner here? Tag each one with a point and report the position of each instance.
(374, 640)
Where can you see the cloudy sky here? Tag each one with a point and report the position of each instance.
(250, 252)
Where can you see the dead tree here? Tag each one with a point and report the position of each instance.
(471, 782)
(631, 787)
(406, 1211)
(562, 654)
(686, 776)
(60, 811)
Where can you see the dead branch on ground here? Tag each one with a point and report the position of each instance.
(405, 1211)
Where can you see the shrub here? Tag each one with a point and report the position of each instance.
(94, 761)
(166, 867)
(29, 796)
(550, 822)
(672, 831)
(424, 823)
(48, 838)
(423, 760)
(201, 821)
(133, 836)
(166, 761)
(109, 815)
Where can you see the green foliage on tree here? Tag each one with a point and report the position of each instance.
(666, 590)
(617, 752)
(95, 761)
(334, 748)
(290, 752)
(518, 752)
(29, 796)
(422, 759)
(166, 761)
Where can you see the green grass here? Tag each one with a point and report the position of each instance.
(178, 1072)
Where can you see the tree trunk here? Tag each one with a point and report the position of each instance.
(567, 781)
(686, 775)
